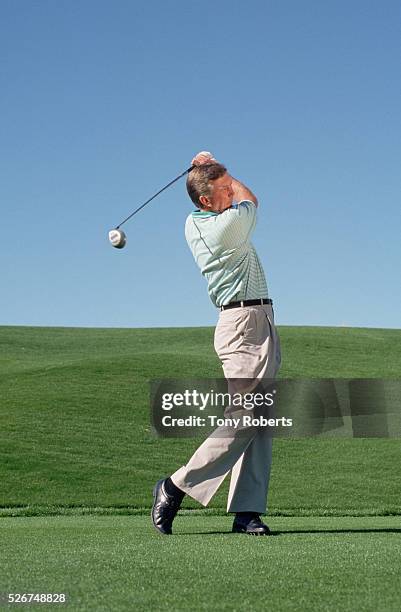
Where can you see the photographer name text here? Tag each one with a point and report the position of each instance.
(233, 422)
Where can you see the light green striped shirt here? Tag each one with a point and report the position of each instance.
(221, 246)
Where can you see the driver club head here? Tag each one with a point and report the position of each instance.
(117, 238)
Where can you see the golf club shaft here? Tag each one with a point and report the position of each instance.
(153, 197)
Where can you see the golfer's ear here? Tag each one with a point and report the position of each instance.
(203, 200)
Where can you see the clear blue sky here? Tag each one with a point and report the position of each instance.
(103, 103)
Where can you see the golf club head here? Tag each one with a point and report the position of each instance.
(117, 238)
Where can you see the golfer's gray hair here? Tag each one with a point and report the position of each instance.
(198, 180)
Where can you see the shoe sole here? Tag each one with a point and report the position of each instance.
(154, 493)
(254, 533)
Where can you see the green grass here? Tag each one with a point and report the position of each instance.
(78, 462)
(75, 431)
(121, 563)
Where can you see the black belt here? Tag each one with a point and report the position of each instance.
(259, 302)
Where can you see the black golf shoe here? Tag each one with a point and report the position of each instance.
(164, 508)
(250, 523)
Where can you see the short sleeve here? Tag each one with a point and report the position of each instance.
(236, 224)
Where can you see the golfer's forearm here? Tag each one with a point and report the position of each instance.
(242, 193)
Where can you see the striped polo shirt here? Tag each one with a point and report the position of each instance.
(222, 248)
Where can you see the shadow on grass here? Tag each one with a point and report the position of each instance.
(293, 531)
(377, 530)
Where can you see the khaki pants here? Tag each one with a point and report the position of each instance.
(248, 346)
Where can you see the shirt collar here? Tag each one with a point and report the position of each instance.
(204, 213)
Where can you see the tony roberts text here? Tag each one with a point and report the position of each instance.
(215, 421)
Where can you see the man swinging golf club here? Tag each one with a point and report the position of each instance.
(246, 341)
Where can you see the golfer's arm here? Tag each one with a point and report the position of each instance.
(242, 193)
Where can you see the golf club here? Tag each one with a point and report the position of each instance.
(116, 236)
